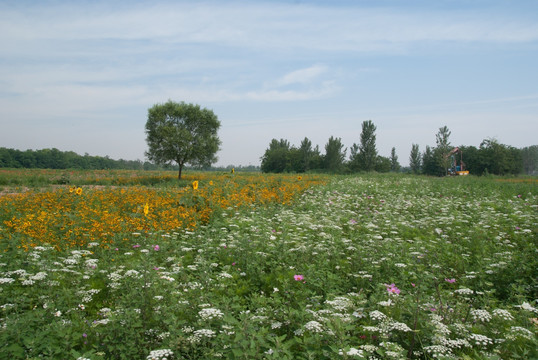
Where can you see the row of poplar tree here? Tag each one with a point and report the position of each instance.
(490, 158)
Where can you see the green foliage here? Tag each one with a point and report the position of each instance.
(367, 147)
(335, 155)
(529, 156)
(382, 164)
(415, 160)
(56, 159)
(182, 133)
(390, 266)
(394, 164)
(278, 157)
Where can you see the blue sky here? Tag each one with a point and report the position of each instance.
(80, 75)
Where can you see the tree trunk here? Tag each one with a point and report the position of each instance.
(180, 168)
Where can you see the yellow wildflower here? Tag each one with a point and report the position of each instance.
(146, 209)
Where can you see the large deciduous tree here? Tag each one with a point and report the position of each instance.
(182, 133)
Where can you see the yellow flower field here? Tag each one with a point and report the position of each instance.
(74, 216)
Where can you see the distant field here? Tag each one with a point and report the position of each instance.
(136, 265)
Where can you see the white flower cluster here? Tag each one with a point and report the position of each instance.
(518, 331)
(88, 295)
(163, 354)
(455, 343)
(314, 326)
(39, 276)
(91, 263)
(276, 325)
(377, 315)
(6, 280)
(480, 340)
(503, 314)
(133, 274)
(340, 303)
(369, 348)
(224, 275)
(437, 351)
(198, 335)
(464, 291)
(210, 314)
(351, 352)
(71, 261)
(481, 315)
(114, 276)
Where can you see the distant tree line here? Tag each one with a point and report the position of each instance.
(490, 158)
(281, 156)
(56, 159)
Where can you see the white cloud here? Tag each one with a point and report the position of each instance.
(301, 76)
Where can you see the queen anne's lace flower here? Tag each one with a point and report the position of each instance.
(351, 352)
(162, 354)
(210, 314)
(503, 314)
(377, 315)
(314, 326)
(480, 340)
(481, 315)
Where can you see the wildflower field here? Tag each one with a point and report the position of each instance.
(249, 266)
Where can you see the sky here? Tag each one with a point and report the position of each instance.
(81, 75)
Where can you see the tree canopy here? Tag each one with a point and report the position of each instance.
(182, 133)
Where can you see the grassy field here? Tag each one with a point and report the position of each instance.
(127, 265)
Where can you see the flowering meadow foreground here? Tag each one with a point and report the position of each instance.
(272, 267)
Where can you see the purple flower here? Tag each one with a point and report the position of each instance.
(156, 248)
(392, 289)
(450, 280)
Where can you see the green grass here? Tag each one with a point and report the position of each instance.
(393, 267)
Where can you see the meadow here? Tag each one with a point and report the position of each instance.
(136, 265)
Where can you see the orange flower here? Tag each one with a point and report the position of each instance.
(79, 191)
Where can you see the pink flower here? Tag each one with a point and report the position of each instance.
(136, 246)
(413, 285)
(298, 277)
(450, 280)
(392, 289)
(156, 248)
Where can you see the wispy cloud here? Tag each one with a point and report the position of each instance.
(301, 76)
